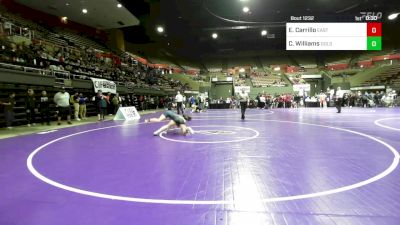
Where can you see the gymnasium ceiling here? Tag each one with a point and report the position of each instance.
(188, 24)
(102, 14)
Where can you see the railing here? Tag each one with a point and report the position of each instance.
(54, 45)
(61, 74)
(11, 66)
(79, 77)
(68, 76)
(39, 71)
(49, 73)
(12, 29)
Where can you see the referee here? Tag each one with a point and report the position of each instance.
(244, 101)
(339, 99)
(179, 101)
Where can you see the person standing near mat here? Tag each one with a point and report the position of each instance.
(74, 100)
(9, 110)
(244, 101)
(331, 92)
(101, 105)
(30, 107)
(44, 108)
(82, 106)
(322, 100)
(115, 102)
(339, 99)
(179, 100)
(61, 99)
(175, 120)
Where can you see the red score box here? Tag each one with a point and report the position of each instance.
(374, 29)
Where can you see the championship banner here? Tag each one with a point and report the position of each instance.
(304, 87)
(104, 85)
(238, 89)
(127, 113)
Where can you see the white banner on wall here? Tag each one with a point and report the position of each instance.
(191, 92)
(304, 87)
(104, 85)
(368, 88)
(127, 113)
(311, 76)
(238, 89)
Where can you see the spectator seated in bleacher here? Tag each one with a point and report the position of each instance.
(74, 54)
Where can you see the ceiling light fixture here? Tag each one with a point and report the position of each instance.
(246, 9)
(393, 16)
(84, 11)
(119, 5)
(264, 32)
(214, 35)
(64, 20)
(160, 29)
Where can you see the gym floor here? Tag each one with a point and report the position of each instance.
(280, 166)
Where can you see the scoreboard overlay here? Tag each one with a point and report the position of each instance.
(334, 36)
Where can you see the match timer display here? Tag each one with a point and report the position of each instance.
(334, 36)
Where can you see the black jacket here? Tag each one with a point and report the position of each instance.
(30, 102)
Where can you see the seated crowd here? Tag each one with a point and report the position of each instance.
(264, 79)
(79, 62)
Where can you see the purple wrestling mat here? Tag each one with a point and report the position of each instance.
(283, 166)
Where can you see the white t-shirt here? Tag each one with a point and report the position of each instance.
(62, 99)
(301, 92)
(339, 94)
(179, 98)
(331, 92)
(243, 97)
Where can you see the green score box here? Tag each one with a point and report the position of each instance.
(374, 43)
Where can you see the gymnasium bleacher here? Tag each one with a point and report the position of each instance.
(390, 76)
(75, 55)
(65, 56)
